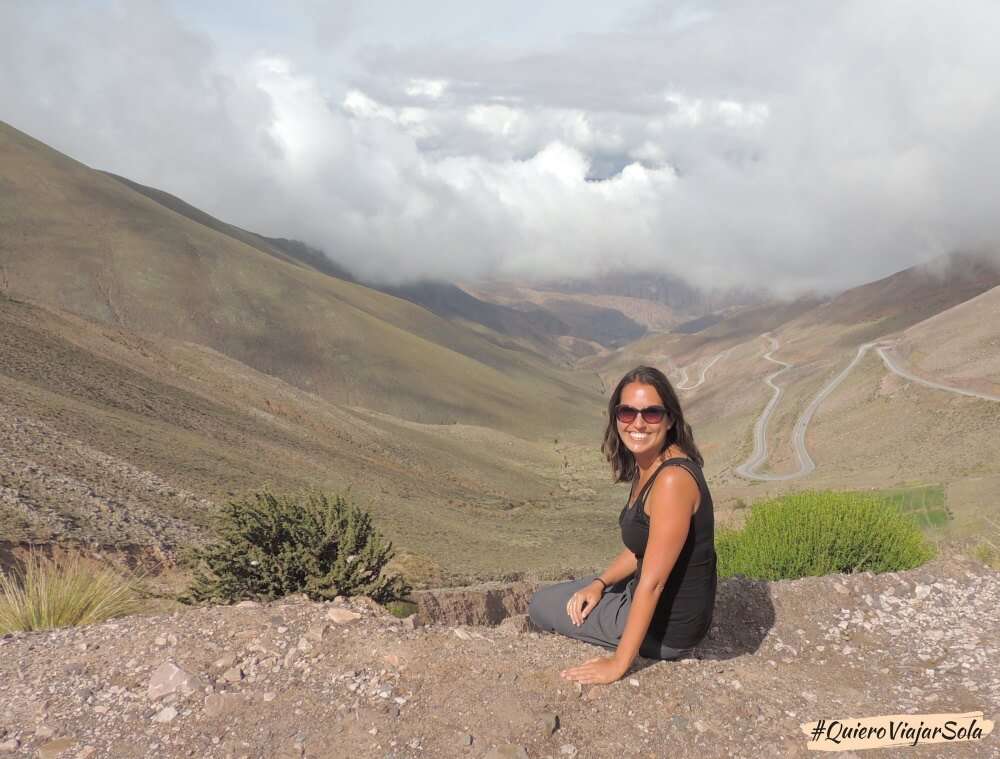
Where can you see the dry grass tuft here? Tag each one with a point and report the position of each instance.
(63, 592)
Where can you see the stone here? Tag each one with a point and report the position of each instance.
(248, 605)
(225, 661)
(86, 752)
(507, 751)
(169, 678)
(233, 675)
(342, 616)
(567, 749)
(520, 624)
(166, 714)
(316, 632)
(550, 722)
(10, 746)
(44, 731)
(465, 740)
(412, 622)
(53, 749)
(218, 704)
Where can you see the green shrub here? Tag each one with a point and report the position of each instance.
(63, 592)
(271, 545)
(817, 533)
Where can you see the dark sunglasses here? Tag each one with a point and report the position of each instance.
(650, 414)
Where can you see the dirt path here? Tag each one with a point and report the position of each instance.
(704, 370)
(749, 467)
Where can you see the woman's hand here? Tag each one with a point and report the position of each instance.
(581, 603)
(600, 670)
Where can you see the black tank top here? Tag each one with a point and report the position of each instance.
(684, 611)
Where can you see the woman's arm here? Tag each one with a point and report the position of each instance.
(671, 503)
(621, 567)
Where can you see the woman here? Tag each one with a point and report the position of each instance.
(656, 598)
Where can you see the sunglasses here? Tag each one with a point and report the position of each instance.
(650, 414)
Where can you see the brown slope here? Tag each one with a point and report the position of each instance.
(81, 240)
(118, 439)
(959, 346)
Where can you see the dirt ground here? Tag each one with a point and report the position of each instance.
(301, 679)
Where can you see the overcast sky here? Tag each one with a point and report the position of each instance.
(794, 144)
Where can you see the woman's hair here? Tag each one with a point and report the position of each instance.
(621, 458)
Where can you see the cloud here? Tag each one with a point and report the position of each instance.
(783, 144)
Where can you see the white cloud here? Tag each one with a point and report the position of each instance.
(811, 145)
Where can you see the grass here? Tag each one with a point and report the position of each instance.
(64, 592)
(817, 533)
(925, 503)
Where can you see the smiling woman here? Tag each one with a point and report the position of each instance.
(657, 596)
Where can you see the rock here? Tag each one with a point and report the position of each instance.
(317, 631)
(923, 591)
(342, 616)
(233, 675)
(412, 622)
(166, 714)
(519, 623)
(465, 740)
(169, 678)
(507, 751)
(291, 656)
(487, 604)
(10, 746)
(44, 731)
(550, 722)
(53, 749)
(248, 605)
(225, 662)
(218, 704)
(269, 696)
(567, 749)
(634, 682)
(86, 752)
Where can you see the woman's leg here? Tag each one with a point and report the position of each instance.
(604, 626)
(599, 628)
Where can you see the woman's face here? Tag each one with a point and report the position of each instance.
(643, 439)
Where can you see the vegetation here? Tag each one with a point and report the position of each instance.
(46, 593)
(271, 545)
(925, 503)
(817, 533)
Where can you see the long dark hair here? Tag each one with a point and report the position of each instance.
(622, 461)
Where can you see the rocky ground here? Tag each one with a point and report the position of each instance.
(300, 679)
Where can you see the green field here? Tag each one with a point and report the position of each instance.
(925, 503)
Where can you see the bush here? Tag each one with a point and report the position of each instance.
(818, 533)
(271, 545)
(47, 593)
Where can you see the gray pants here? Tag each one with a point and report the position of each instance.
(604, 625)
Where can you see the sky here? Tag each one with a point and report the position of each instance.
(795, 145)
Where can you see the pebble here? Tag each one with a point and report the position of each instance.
(342, 616)
(550, 721)
(166, 714)
(567, 749)
(169, 678)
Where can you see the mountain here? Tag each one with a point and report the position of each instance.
(80, 240)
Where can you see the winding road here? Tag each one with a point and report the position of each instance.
(748, 468)
(682, 385)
